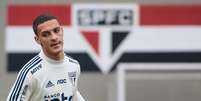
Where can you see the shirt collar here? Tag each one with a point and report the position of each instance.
(43, 56)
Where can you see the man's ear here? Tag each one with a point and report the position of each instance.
(37, 40)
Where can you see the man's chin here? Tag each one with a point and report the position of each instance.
(57, 52)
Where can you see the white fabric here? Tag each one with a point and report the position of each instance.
(44, 79)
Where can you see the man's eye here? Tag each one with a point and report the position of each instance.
(45, 34)
(56, 30)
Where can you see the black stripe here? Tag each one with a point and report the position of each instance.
(87, 64)
(160, 57)
(15, 61)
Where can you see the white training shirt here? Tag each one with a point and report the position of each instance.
(44, 79)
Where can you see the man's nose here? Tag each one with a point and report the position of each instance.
(53, 36)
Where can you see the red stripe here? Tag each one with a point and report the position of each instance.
(170, 14)
(25, 14)
(93, 38)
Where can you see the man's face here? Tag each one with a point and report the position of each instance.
(50, 37)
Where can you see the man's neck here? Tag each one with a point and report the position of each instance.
(57, 57)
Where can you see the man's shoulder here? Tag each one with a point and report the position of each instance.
(31, 64)
(71, 60)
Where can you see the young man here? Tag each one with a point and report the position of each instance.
(51, 75)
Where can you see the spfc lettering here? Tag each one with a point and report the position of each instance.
(117, 17)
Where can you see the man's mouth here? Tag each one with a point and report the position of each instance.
(55, 44)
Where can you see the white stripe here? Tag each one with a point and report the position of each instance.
(143, 39)
(20, 39)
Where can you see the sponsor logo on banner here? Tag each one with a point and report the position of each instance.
(100, 36)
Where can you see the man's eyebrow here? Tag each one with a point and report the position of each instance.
(56, 27)
(45, 31)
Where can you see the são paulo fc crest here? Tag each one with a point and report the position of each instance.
(103, 30)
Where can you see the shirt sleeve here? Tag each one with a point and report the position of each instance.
(78, 97)
(22, 88)
(77, 76)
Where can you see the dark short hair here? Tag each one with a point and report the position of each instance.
(41, 19)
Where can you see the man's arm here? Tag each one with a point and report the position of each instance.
(21, 89)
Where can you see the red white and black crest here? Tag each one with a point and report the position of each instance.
(100, 37)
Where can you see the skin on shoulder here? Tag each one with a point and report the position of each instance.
(50, 37)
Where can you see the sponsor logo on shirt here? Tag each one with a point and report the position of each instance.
(36, 69)
(49, 84)
(57, 97)
(72, 77)
(61, 81)
(24, 92)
